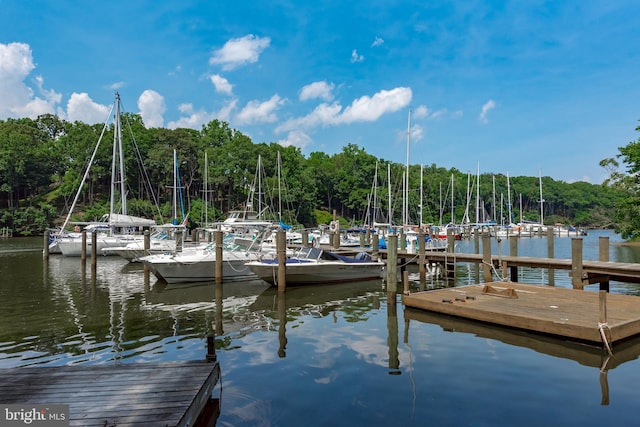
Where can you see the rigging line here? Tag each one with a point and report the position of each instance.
(147, 179)
(86, 173)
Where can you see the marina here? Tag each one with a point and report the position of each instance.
(351, 353)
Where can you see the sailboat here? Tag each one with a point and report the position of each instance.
(165, 237)
(116, 228)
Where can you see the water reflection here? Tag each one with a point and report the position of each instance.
(587, 355)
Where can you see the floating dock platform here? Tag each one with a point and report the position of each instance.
(582, 315)
(134, 394)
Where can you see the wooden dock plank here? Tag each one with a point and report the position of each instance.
(569, 313)
(171, 393)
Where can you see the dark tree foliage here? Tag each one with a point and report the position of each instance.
(43, 161)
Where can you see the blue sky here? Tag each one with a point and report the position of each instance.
(513, 87)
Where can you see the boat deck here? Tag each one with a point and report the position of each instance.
(135, 394)
(581, 315)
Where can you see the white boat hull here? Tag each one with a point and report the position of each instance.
(317, 272)
(200, 266)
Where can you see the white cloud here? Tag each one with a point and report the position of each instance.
(377, 42)
(296, 138)
(18, 99)
(240, 51)
(355, 57)
(371, 108)
(259, 112)
(417, 133)
(221, 84)
(152, 108)
(363, 109)
(488, 106)
(225, 112)
(81, 107)
(421, 112)
(317, 90)
(192, 119)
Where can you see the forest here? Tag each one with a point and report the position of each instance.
(43, 161)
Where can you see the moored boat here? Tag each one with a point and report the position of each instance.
(314, 266)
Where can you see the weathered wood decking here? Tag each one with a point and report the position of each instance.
(569, 313)
(136, 394)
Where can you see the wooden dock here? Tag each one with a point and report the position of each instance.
(569, 313)
(135, 394)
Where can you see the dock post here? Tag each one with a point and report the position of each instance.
(367, 236)
(486, 257)
(281, 249)
(305, 238)
(217, 237)
(421, 259)
(403, 241)
(362, 240)
(179, 236)
(83, 248)
(147, 242)
(45, 249)
(94, 250)
(375, 247)
(513, 251)
(576, 263)
(603, 255)
(211, 348)
(405, 282)
(392, 262)
(450, 266)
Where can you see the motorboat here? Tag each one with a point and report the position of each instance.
(199, 264)
(311, 265)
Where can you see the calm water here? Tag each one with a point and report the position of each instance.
(323, 355)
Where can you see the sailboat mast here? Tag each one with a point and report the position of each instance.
(453, 214)
(421, 193)
(206, 190)
(279, 191)
(389, 193)
(123, 189)
(509, 199)
(175, 187)
(541, 199)
(406, 185)
(478, 195)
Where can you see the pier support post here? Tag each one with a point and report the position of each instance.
(179, 240)
(217, 237)
(603, 255)
(83, 248)
(375, 247)
(94, 248)
(305, 238)
(513, 251)
(403, 241)
(486, 257)
(421, 256)
(281, 249)
(392, 262)
(211, 348)
(576, 263)
(45, 249)
(147, 242)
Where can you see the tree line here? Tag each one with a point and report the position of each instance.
(43, 160)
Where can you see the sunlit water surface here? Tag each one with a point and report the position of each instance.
(321, 355)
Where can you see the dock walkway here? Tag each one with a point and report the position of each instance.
(569, 313)
(134, 394)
